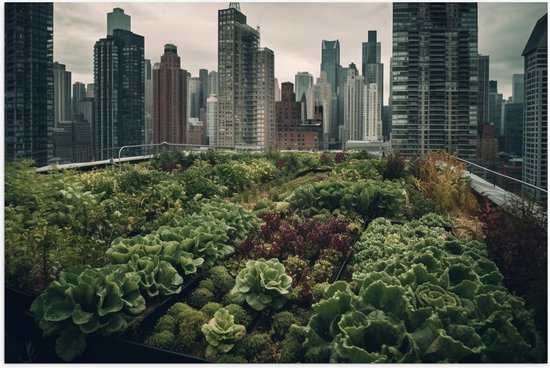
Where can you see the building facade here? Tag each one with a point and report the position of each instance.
(246, 101)
(28, 88)
(79, 94)
(513, 129)
(434, 78)
(117, 20)
(148, 95)
(169, 98)
(372, 67)
(483, 92)
(302, 82)
(211, 119)
(495, 108)
(119, 85)
(61, 93)
(517, 88)
(535, 120)
(320, 95)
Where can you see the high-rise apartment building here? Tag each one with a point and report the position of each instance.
(246, 101)
(119, 85)
(293, 132)
(495, 108)
(372, 68)
(277, 90)
(213, 83)
(79, 94)
(211, 119)
(203, 76)
(434, 78)
(194, 97)
(169, 98)
(90, 90)
(330, 63)
(148, 95)
(117, 20)
(28, 84)
(517, 88)
(535, 121)
(482, 92)
(513, 128)
(61, 94)
(302, 82)
(320, 95)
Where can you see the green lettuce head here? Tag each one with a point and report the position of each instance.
(221, 333)
(262, 284)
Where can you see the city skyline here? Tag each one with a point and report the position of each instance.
(291, 30)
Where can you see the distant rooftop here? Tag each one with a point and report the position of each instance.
(539, 36)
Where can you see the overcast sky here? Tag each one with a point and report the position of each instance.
(294, 32)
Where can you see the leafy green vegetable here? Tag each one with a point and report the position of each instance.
(262, 284)
(84, 301)
(221, 333)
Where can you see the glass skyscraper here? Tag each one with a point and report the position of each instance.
(373, 69)
(434, 78)
(28, 88)
(119, 88)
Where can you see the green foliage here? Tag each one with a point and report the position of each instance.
(157, 277)
(84, 301)
(207, 284)
(256, 347)
(162, 340)
(166, 323)
(280, 324)
(420, 295)
(221, 279)
(241, 316)
(221, 333)
(199, 297)
(367, 198)
(291, 348)
(210, 308)
(262, 284)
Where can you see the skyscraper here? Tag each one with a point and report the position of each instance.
(213, 83)
(277, 90)
(495, 108)
(203, 76)
(148, 95)
(513, 128)
(117, 20)
(28, 89)
(211, 119)
(483, 92)
(434, 78)
(535, 121)
(372, 68)
(302, 82)
(517, 88)
(246, 98)
(320, 95)
(119, 85)
(169, 98)
(193, 97)
(79, 94)
(61, 94)
(90, 90)
(330, 63)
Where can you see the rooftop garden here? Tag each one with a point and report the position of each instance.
(283, 257)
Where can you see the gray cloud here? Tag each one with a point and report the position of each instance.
(294, 32)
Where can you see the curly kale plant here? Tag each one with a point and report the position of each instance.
(221, 333)
(85, 301)
(262, 284)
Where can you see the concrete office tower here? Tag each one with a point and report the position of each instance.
(117, 20)
(119, 94)
(148, 75)
(495, 108)
(372, 68)
(483, 92)
(517, 88)
(244, 99)
(90, 90)
(212, 119)
(535, 121)
(79, 93)
(320, 95)
(28, 84)
(169, 98)
(193, 97)
(213, 83)
(61, 93)
(434, 78)
(302, 82)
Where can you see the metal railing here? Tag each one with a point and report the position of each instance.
(162, 144)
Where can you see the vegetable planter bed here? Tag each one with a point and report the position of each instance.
(153, 264)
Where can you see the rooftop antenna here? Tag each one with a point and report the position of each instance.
(235, 6)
